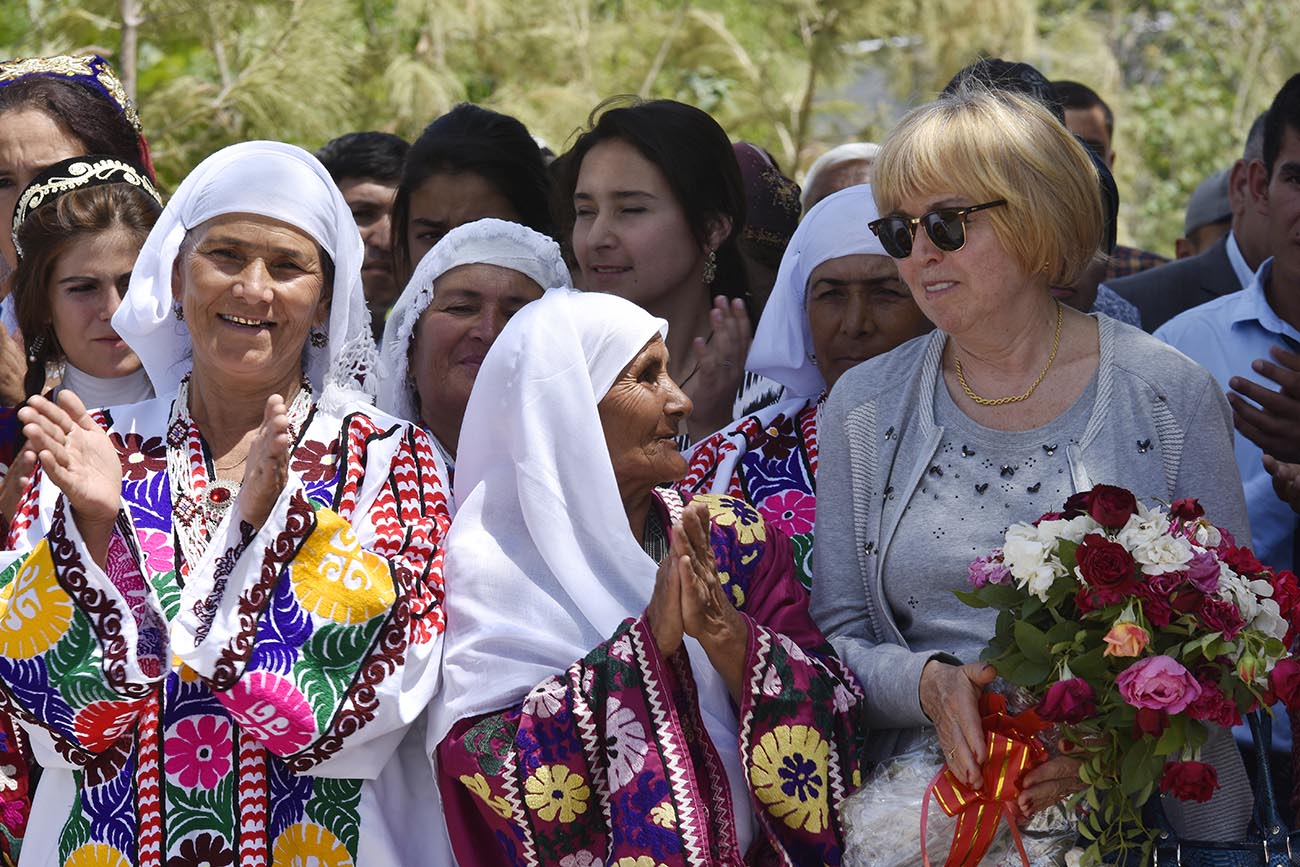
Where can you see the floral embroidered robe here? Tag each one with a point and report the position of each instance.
(235, 710)
(607, 763)
(770, 461)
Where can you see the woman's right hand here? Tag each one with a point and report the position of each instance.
(79, 458)
(664, 613)
(950, 697)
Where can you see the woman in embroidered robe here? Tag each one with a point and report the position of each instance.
(838, 300)
(223, 609)
(461, 295)
(597, 710)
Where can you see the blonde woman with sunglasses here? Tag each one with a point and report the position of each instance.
(1010, 405)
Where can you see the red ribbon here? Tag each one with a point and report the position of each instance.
(1013, 751)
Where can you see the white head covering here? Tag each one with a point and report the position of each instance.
(783, 349)
(853, 151)
(483, 242)
(269, 179)
(541, 566)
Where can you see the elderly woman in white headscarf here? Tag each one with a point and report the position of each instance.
(838, 300)
(223, 606)
(628, 680)
(461, 295)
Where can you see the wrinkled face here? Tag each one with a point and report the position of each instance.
(371, 203)
(630, 234)
(858, 307)
(251, 289)
(30, 141)
(86, 285)
(640, 415)
(970, 288)
(470, 306)
(449, 199)
(1089, 124)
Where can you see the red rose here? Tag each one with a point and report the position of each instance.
(1284, 681)
(1076, 505)
(1220, 616)
(1187, 509)
(1107, 567)
(1156, 608)
(1068, 701)
(1189, 781)
(1150, 721)
(1213, 706)
(1241, 560)
(1111, 506)
(1048, 516)
(1187, 600)
(1286, 592)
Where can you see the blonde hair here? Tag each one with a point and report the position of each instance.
(986, 145)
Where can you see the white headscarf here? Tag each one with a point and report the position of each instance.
(541, 565)
(783, 349)
(268, 179)
(483, 242)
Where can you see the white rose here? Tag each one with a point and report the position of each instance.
(1023, 552)
(1165, 553)
(1269, 621)
(1041, 581)
(1207, 535)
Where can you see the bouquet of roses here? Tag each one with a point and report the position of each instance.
(1136, 627)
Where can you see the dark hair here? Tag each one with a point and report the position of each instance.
(695, 156)
(377, 155)
(80, 112)
(1109, 199)
(994, 73)
(49, 232)
(496, 147)
(1284, 113)
(1072, 94)
(1253, 149)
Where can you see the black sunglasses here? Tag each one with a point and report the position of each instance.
(945, 226)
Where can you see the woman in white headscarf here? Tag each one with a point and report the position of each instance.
(222, 609)
(461, 295)
(627, 680)
(838, 300)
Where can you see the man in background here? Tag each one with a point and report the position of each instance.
(839, 168)
(1208, 217)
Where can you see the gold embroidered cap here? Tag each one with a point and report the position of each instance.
(76, 173)
(89, 69)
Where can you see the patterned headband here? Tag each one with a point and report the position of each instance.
(74, 174)
(90, 69)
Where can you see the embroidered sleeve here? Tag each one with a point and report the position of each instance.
(319, 632)
(81, 648)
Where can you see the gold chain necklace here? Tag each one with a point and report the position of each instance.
(1003, 401)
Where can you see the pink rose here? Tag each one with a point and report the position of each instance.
(1160, 683)
(1203, 572)
(1068, 701)
(1126, 639)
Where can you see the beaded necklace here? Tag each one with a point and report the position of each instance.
(200, 503)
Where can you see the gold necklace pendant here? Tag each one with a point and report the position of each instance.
(1003, 401)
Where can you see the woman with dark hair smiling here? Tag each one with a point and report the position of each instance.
(651, 201)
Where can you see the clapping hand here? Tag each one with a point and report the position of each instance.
(1273, 425)
(720, 367)
(13, 368)
(267, 468)
(79, 458)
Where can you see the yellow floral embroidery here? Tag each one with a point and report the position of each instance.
(743, 519)
(788, 772)
(334, 578)
(306, 845)
(553, 790)
(96, 855)
(664, 815)
(186, 674)
(733, 590)
(479, 785)
(639, 861)
(35, 611)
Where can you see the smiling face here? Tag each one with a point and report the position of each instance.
(449, 199)
(251, 289)
(631, 236)
(470, 306)
(640, 415)
(858, 307)
(30, 141)
(86, 286)
(969, 288)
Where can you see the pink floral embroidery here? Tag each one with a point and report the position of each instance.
(157, 549)
(198, 751)
(792, 511)
(271, 709)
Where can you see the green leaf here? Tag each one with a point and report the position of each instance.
(1133, 774)
(1032, 641)
(1034, 672)
(1173, 737)
(1090, 665)
(333, 805)
(971, 598)
(1065, 552)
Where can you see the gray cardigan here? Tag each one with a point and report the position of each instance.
(1160, 427)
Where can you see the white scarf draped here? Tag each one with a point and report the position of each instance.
(268, 179)
(541, 565)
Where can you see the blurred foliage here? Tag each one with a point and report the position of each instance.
(1184, 77)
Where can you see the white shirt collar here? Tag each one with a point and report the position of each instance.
(1239, 266)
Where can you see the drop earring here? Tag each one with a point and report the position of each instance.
(710, 268)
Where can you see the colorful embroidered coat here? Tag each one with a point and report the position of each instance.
(769, 460)
(608, 763)
(234, 710)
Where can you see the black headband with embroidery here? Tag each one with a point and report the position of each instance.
(78, 173)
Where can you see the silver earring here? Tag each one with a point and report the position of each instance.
(318, 338)
(37, 345)
(178, 310)
(813, 358)
(710, 268)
